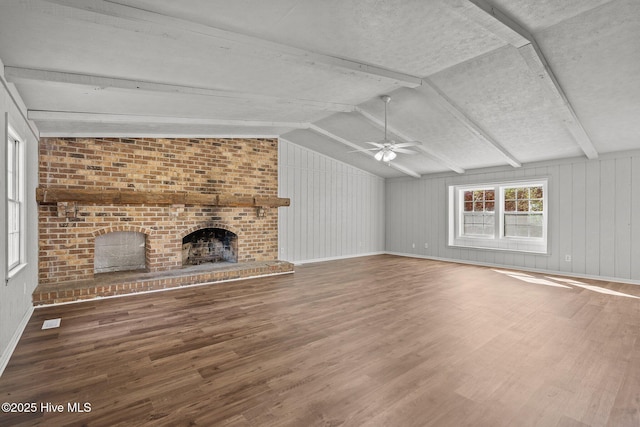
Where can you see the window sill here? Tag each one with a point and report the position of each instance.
(15, 270)
(531, 251)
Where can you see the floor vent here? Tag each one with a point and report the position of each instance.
(51, 323)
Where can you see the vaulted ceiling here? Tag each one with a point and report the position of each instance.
(476, 83)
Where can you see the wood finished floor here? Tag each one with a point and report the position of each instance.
(375, 341)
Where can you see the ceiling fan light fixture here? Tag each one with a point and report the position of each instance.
(388, 156)
(379, 155)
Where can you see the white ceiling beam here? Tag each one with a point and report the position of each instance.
(482, 16)
(22, 75)
(439, 158)
(434, 93)
(537, 63)
(82, 117)
(151, 23)
(350, 144)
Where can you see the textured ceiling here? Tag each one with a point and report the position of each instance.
(476, 83)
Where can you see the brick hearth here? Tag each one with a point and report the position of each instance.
(122, 283)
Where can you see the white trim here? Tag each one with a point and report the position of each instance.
(18, 103)
(336, 258)
(193, 285)
(519, 268)
(11, 346)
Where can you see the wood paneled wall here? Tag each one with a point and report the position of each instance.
(336, 210)
(594, 217)
(15, 294)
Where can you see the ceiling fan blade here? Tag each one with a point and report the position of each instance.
(408, 144)
(364, 150)
(404, 150)
(377, 144)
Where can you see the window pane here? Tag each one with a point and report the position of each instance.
(523, 225)
(468, 206)
(536, 231)
(523, 205)
(468, 196)
(14, 217)
(510, 194)
(13, 203)
(489, 206)
(522, 231)
(536, 219)
(510, 206)
(478, 224)
(536, 192)
(11, 172)
(490, 195)
(510, 219)
(536, 205)
(522, 193)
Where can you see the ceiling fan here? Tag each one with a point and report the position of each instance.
(387, 148)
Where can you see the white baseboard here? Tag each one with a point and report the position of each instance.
(6, 354)
(516, 267)
(335, 258)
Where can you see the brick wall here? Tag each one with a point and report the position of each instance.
(242, 167)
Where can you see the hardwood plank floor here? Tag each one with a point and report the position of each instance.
(373, 341)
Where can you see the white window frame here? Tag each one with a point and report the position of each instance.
(497, 241)
(15, 200)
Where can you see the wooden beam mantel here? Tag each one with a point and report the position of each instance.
(131, 197)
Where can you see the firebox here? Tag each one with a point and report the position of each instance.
(209, 245)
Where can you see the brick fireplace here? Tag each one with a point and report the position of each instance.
(161, 191)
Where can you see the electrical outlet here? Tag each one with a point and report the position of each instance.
(413, 245)
(567, 258)
(426, 246)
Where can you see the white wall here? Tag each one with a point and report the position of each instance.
(594, 217)
(336, 211)
(15, 295)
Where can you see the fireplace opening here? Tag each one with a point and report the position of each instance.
(120, 251)
(209, 245)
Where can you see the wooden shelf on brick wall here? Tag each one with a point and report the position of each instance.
(131, 197)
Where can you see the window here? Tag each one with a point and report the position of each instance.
(14, 202)
(523, 212)
(478, 215)
(503, 216)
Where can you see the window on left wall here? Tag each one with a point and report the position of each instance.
(15, 201)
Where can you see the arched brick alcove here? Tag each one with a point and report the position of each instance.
(121, 248)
